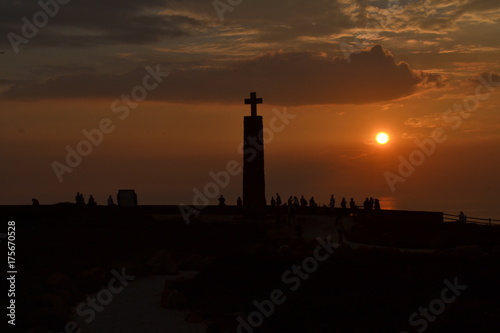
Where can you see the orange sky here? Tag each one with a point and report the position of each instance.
(404, 67)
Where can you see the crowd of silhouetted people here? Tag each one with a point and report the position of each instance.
(80, 200)
(294, 203)
(370, 204)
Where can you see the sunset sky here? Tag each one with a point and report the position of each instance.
(343, 71)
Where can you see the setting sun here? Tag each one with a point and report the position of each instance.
(382, 138)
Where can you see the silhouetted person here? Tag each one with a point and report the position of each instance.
(278, 200)
(290, 201)
(35, 202)
(365, 205)
(312, 202)
(343, 204)
(352, 205)
(110, 201)
(239, 202)
(377, 204)
(91, 201)
(371, 202)
(80, 200)
(332, 202)
(222, 201)
(462, 218)
(296, 202)
(303, 201)
(273, 202)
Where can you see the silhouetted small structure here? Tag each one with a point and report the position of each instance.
(127, 198)
(35, 202)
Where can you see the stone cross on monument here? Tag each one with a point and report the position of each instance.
(254, 183)
(253, 101)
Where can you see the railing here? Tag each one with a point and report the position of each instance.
(471, 220)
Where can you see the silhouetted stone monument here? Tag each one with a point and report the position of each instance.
(254, 183)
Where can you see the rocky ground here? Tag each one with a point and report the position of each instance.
(255, 277)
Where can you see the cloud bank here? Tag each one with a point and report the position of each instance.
(304, 78)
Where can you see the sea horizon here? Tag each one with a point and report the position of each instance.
(472, 208)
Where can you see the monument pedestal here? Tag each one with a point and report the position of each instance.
(254, 189)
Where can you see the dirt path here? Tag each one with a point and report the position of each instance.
(137, 309)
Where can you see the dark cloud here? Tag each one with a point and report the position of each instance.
(82, 85)
(291, 19)
(492, 79)
(276, 21)
(114, 22)
(479, 6)
(431, 79)
(447, 18)
(129, 22)
(5, 82)
(282, 78)
(56, 70)
(96, 22)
